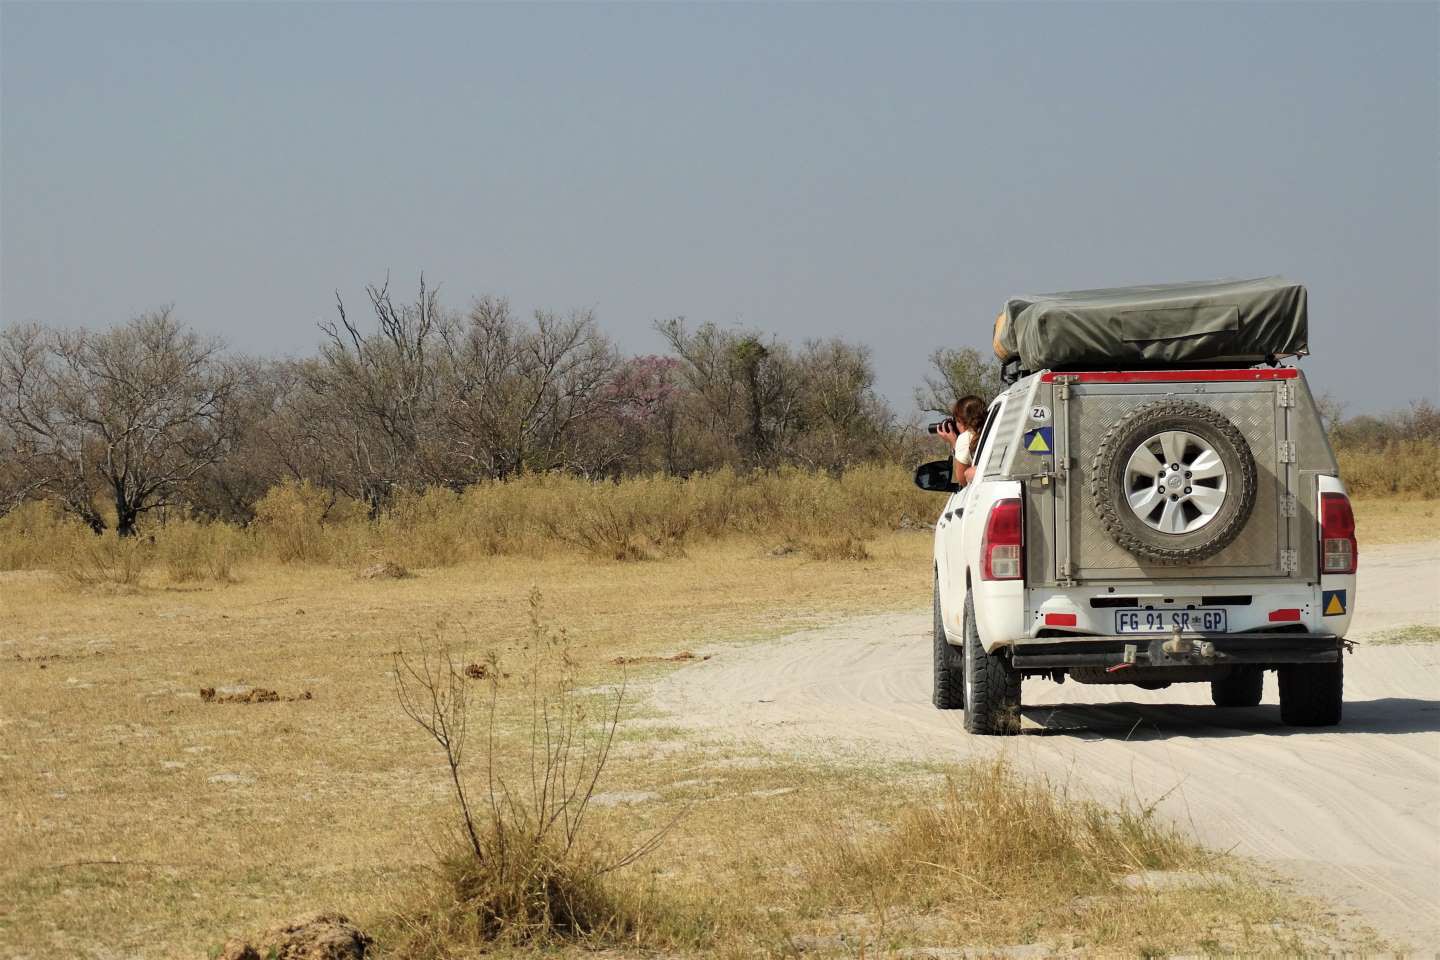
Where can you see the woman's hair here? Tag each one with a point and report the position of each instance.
(969, 412)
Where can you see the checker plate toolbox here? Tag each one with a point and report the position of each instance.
(1271, 408)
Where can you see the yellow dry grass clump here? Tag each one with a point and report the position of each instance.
(813, 513)
(1408, 468)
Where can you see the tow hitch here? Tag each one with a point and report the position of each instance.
(1181, 647)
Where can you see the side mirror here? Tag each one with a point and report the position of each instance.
(935, 476)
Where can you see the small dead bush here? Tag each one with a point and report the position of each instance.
(193, 551)
(523, 867)
(103, 560)
(427, 529)
(301, 523)
(835, 548)
(252, 695)
(645, 518)
(384, 570)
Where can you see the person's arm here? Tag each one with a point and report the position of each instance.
(952, 438)
(964, 471)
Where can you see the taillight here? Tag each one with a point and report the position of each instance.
(1002, 548)
(1338, 550)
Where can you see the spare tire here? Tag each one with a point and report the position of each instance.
(1173, 481)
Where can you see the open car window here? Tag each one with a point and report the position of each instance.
(982, 444)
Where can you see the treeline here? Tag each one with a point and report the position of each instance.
(117, 424)
(150, 416)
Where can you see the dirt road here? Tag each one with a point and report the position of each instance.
(1352, 812)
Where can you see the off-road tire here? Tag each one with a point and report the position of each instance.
(1242, 688)
(1107, 481)
(1311, 694)
(992, 686)
(949, 664)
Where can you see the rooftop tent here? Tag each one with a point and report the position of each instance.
(1203, 323)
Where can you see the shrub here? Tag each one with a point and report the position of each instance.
(640, 519)
(1399, 468)
(301, 523)
(193, 551)
(32, 535)
(427, 529)
(106, 559)
(523, 869)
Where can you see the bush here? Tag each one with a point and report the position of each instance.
(523, 868)
(640, 519)
(1409, 468)
(301, 523)
(32, 535)
(193, 551)
(106, 559)
(823, 515)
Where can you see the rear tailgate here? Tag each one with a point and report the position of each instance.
(1071, 546)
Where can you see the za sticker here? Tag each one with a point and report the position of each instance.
(1039, 413)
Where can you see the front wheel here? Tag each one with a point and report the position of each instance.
(949, 664)
(992, 685)
(1311, 694)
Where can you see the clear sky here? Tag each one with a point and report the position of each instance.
(886, 173)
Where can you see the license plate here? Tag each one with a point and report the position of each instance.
(1203, 620)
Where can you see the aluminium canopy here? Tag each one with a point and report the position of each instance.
(1210, 322)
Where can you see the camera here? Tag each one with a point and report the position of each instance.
(948, 423)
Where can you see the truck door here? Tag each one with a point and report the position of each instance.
(1227, 428)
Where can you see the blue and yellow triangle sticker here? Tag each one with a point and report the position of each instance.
(1332, 602)
(1040, 440)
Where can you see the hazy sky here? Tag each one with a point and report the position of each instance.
(886, 173)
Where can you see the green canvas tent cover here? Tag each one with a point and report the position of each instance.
(1202, 323)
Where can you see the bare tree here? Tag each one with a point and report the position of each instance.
(520, 397)
(130, 415)
(843, 420)
(958, 373)
(375, 395)
(744, 389)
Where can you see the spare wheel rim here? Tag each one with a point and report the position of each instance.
(1175, 482)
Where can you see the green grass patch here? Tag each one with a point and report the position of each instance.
(1411, 634)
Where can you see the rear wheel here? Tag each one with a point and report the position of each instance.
(1242, 688)
(992, 686)
(949, 664)
(1311, 694)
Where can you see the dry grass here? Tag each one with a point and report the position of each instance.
(815, 515)
(647, 518)
(144, 821)
(1407, 468)
(1395, 520)
(219, 817)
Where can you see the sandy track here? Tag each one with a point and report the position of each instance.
(1353, 812)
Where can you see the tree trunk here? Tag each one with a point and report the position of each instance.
(126, 517)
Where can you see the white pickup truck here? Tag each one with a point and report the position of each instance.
(1147, 527)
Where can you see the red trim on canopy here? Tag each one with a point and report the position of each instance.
(1173, 376)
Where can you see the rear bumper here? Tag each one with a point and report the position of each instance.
(1161, 651)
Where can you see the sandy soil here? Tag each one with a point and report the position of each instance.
(1352, 813)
